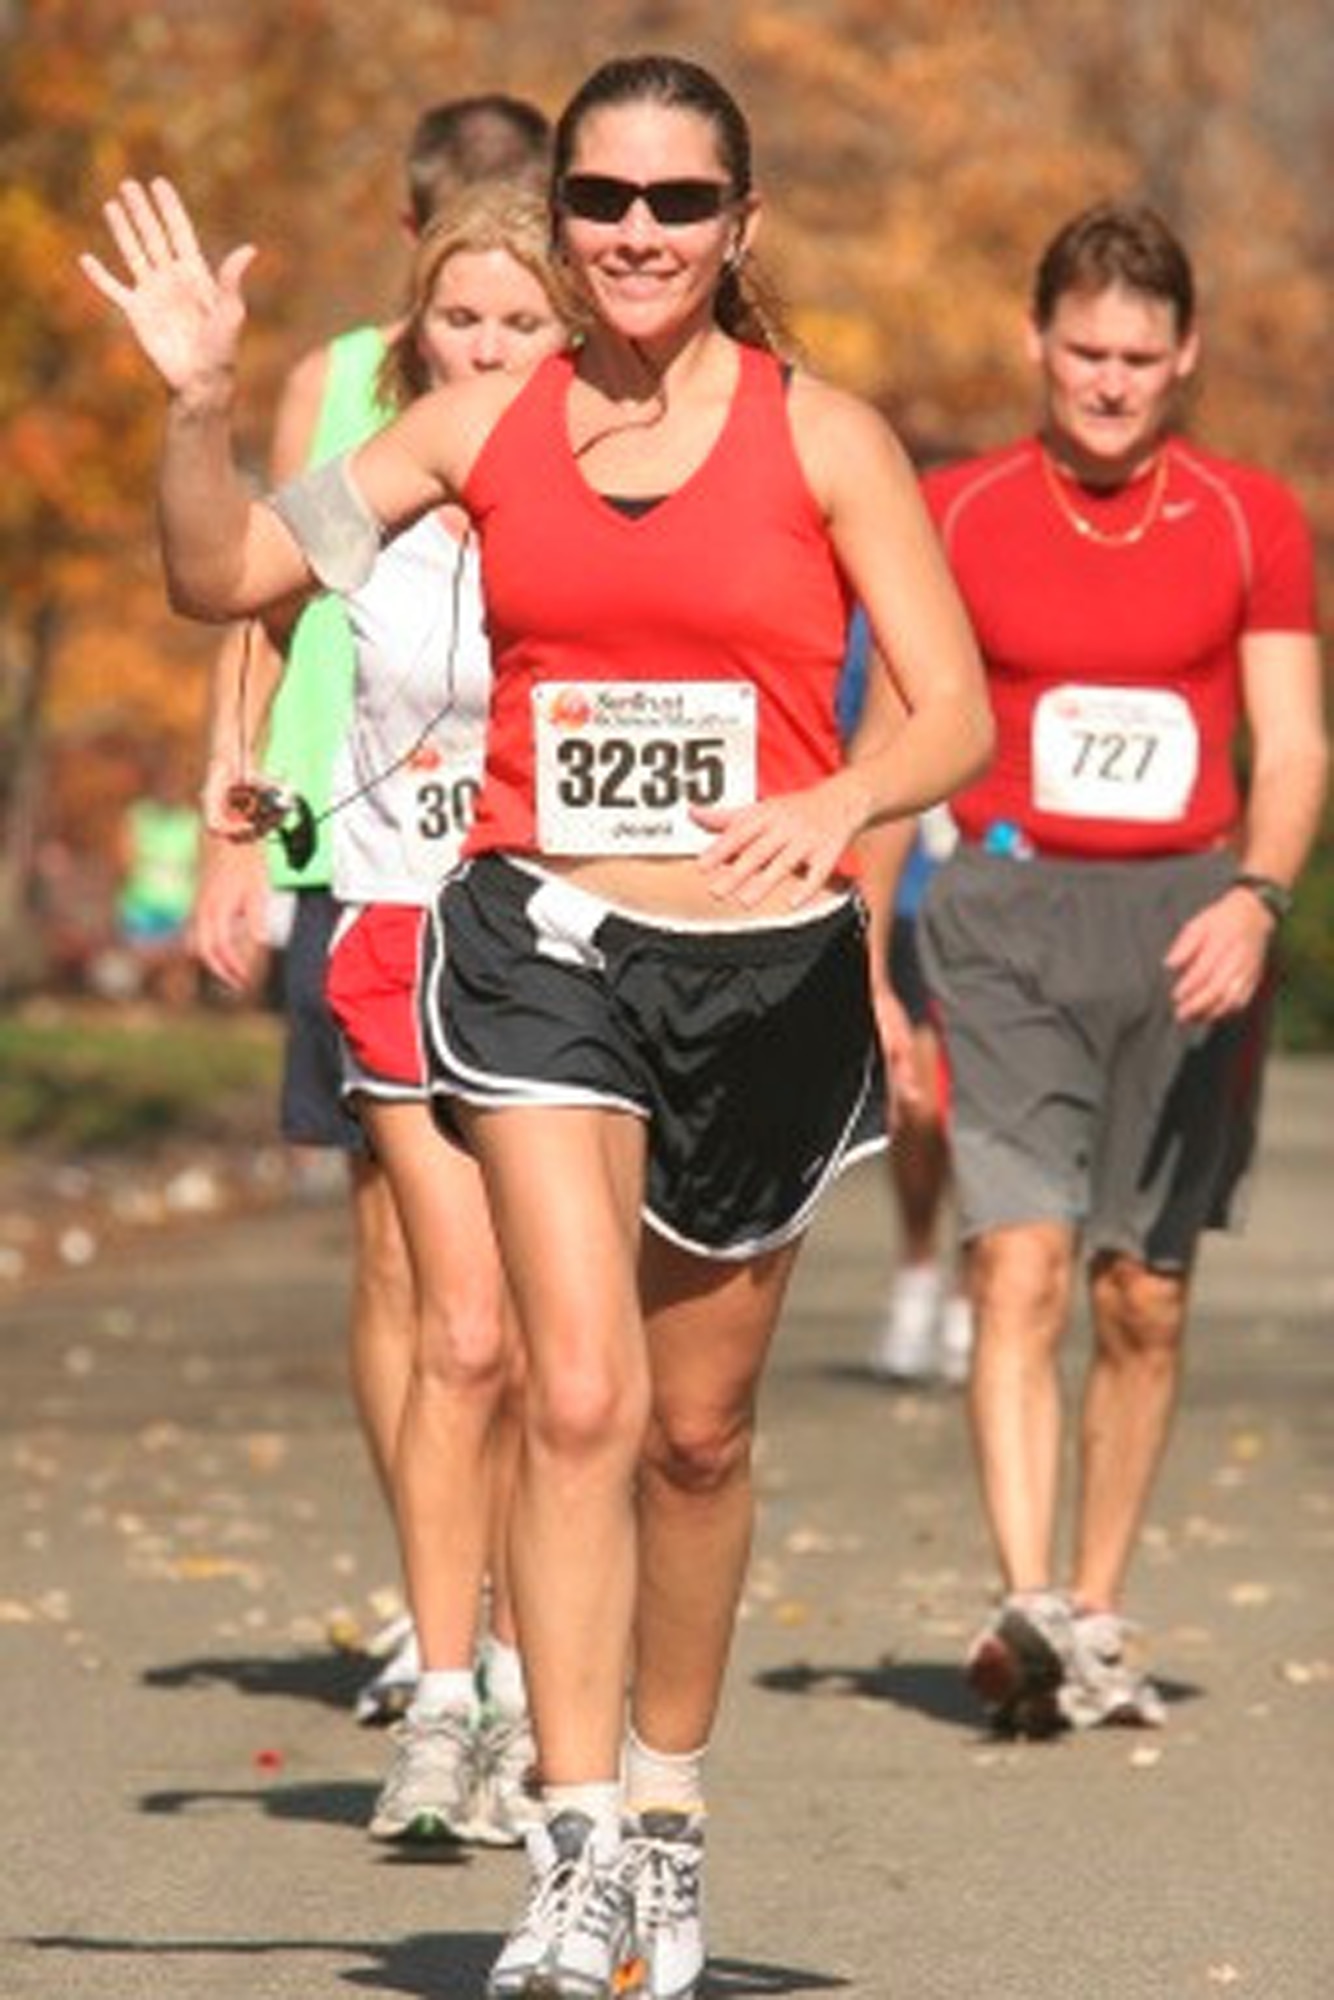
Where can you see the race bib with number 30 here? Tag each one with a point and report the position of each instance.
(1114, 753)
(432, 798)
(619, 764)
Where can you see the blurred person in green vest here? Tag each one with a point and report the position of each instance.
(330, 403)
(158, 853)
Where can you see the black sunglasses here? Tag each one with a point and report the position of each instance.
(604, 198)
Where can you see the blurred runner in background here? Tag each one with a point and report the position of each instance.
(332, 401)
(925, 1330)
(483, 296)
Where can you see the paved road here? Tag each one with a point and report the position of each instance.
(185, 1788)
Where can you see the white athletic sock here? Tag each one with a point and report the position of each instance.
(663, 1780)
(444, 1691)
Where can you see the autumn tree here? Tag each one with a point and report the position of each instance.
(914, 155)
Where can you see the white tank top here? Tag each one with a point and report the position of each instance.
(407, 772)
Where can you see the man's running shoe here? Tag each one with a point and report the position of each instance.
(576, 1932)
(662, 1862)
(426, 1798)
(903, 1346)
(1019, 1663)
(388, 1694)
(1105, 1683)
(504, 1800)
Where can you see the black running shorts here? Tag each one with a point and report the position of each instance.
(751, 1051)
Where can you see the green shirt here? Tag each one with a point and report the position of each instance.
(313, 705)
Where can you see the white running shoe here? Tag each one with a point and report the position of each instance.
(504, 1800)
(387, 1695)
(1105, 1682)
(662, 1863)
(1018, 1664)
(904, 1346)
(577, 1932)
(426, 1800)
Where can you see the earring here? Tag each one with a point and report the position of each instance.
(735, 258)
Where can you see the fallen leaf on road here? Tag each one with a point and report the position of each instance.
(1246, 1445)
(1306, 1673)
(791, 1611)
(203, 1569)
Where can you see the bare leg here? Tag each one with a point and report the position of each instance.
(383, 1331)
(919, 1160)
(1139, 1326)
(505, 1472)
(924, 1328)
(565, 1187)
(451, 1410)
(709, 1328)
(1021, 1281)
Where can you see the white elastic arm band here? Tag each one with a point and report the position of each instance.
(337, 532)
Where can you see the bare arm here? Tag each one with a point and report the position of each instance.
(226, 554)
(882, 851)
(229, 921)
(1283, 691)
(246, 676)
(297, 416)
(249, 663)
(1218, 957)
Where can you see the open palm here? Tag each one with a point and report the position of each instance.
(186, 316)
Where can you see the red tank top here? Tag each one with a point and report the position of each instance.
(732, 578)
(1114, 669)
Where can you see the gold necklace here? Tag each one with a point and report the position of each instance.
(1122, 538)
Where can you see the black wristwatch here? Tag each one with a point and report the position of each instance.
(1273, 895)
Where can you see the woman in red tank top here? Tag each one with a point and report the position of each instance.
(664, 792)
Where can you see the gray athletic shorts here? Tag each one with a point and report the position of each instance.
(751, 1052)
(1075, 1096)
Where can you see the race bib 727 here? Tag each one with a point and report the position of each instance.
(1114, 753)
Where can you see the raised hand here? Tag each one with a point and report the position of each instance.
(186, 316)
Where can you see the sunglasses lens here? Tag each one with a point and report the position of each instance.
(603, 198)
(596, 197)
(685, 201)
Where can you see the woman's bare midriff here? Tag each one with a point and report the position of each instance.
(675, 886)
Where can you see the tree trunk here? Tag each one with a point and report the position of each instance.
(27, 649)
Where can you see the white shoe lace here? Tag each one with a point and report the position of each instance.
(574, 1897)
(663, 1872)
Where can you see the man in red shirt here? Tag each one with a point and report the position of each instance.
(1098, 947)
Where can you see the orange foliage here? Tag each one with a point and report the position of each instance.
(915, 154)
